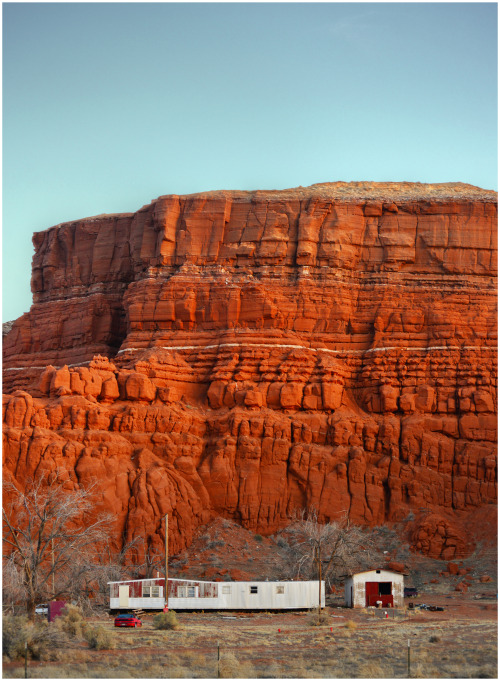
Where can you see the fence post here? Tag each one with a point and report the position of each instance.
(26, 659)
(409, 666)
(218, 660)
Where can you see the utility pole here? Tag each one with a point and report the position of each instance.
(52, 552)
(166, 563)
(319, 582)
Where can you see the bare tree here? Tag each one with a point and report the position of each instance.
(153, 560)
(109, 565)
(12, 582)
(49, 534)
(326, 550)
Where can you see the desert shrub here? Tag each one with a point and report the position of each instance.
(192, 658)
(166, 620)
(217, 543)
(418, 672)
(371, 670)
(351, 624)
(13, 636)
(43, 639)
(273, 671)
(434, 639)
(258, 537)
(99, 638)
(315, 620)
(71, 621)
(230, 668)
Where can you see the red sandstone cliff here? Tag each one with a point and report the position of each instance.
(257, 352)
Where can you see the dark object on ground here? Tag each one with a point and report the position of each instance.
(410, 592)
(127, 621)
(432, 608)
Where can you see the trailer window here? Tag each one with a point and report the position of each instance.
(254, 589)
(280, 589)
(150, 591)
(186, 592)
(226, 589)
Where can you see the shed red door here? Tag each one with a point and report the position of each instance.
(371, 589)
(379, 591)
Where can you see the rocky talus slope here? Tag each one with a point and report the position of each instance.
(246, 354)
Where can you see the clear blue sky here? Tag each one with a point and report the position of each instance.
(107, 106)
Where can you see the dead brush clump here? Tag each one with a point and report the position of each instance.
(272, 671)
(166, 620)
(194, 660)
(316, 619)
(50, 672)
(156, 671)
(350, 625)
(99, 638)
(44, 642)
(372, 670)
(230, 668)
(297, 668)
(71, 621)
(13, 636)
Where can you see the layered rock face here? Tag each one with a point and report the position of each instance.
(249, 354)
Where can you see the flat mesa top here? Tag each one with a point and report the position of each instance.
(355, 191)
(345, 192)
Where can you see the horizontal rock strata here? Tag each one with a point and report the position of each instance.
(251, 353)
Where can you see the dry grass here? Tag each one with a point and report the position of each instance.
(99, 638)
(372, 670)
(362, 647)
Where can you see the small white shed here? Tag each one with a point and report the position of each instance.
(381, 587)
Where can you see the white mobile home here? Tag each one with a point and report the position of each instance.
(189, 594)
(384, 588)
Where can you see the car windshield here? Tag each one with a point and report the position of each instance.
(127, 617)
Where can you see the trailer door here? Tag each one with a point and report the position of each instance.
(123, 592)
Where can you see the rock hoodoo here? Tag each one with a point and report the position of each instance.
(246, 354)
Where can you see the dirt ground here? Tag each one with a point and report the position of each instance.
(460, 642)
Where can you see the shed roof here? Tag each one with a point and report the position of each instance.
(362, 572)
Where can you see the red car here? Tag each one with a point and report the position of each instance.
(127, 621)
